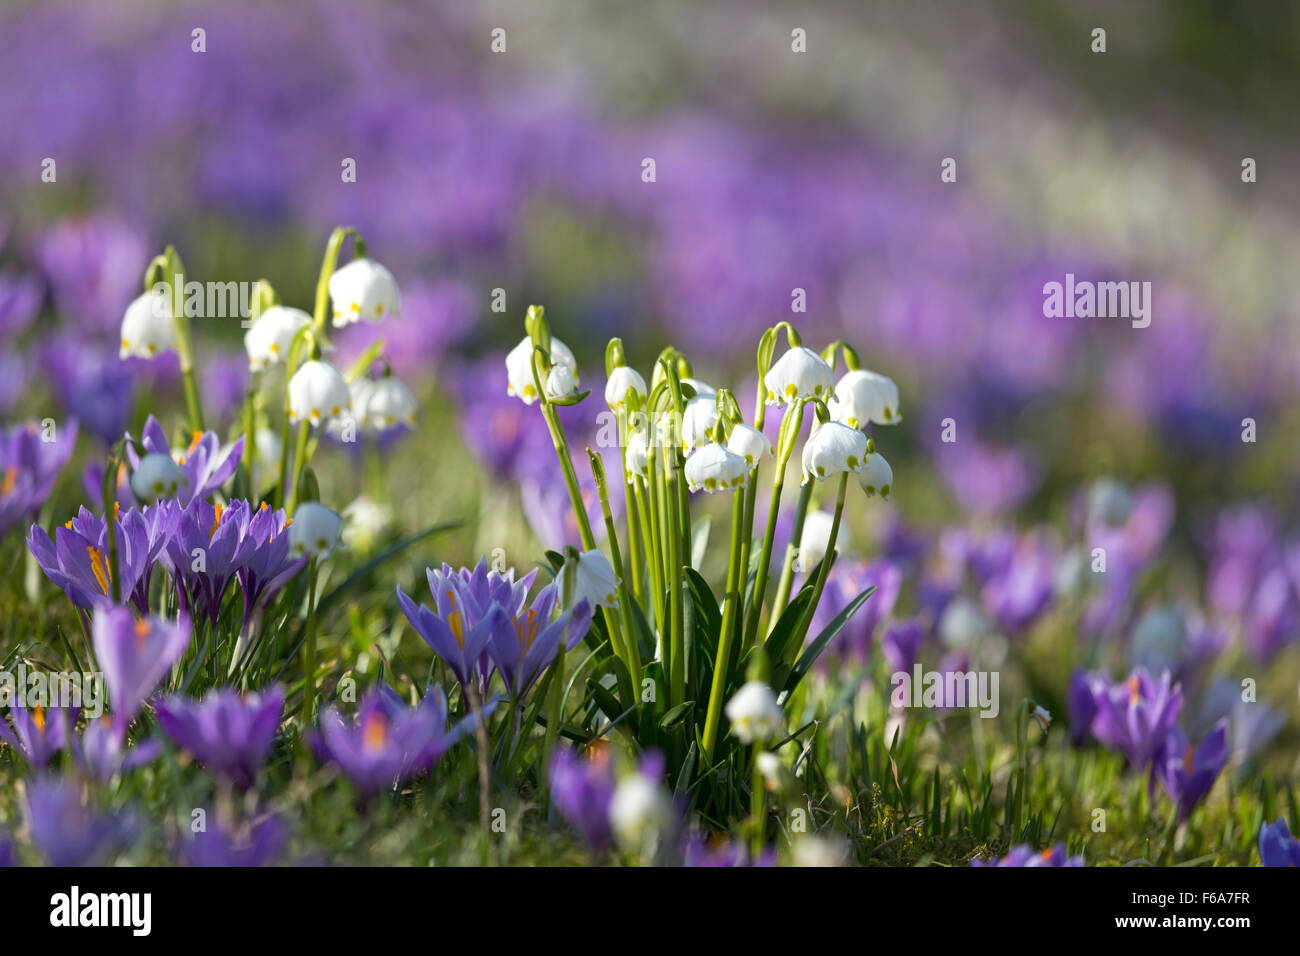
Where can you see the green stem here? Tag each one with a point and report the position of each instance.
(722, 662)
(785, 448)
(796, 537)
(824, 571)
(561, 444)
(299, 461)
(309, 649)
(250, 435)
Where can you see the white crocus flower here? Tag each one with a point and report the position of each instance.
(157, 476)
(865, 398)
(799, 373)
(317, 393)
(636, 457)
(388, 405)
(749, 443)
(754, 713)
(519, 368)
(148, 327)
(270, 337)
(815, 537)
(699, 418)
(363, 289)
(314, 530)
(622, 381)
(593, 580)
(638, 811)
(876, 476)
(833, 448)
(714, 468)
(561, 383)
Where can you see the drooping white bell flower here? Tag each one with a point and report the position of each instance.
(388, 405)
(593, 580)
(833, 448)
(267, 449)
(148, 327)
(754, 713)
(699, 418)
(799, 373)
(519, 368)
(363, 289)
(157, 476)
(876, 476)
(865, 398)
(365, 521)
(638, 811)
(749, 443)
(317, 393)
(636, 460)
(314, 530)
(714, 468)
(560, 383)
(622, 381)
(815, 538)
(270, 337)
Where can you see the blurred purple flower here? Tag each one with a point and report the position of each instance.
(257, 843)
(68, 831)
(582, 788)
(1025, 855)
(29, 466)
(135, 656)
(1277, 847)
(229, 733)
(1135, 716)
(1187, 773)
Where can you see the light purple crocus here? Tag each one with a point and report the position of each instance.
(219, 534)
(257, 843)
(229, 733)
(1277, 847)
(1025, 855)
(388, 742)
(526, 645)
(470, 606)
(1081, 704)
(901, 645)
(39, 733)
(582, 788)
(29, 466)
(207, 465)
(77, 560)
(135, 656)
(1135, 716)
(102, 753)
(1187, 773)
(267, 565)
(68, 831)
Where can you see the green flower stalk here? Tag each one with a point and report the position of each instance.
(735, 579)
(172, 272)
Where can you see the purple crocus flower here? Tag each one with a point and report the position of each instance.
(901, 645)
(1277, 847)
(135, 655)
(258, 843)
(1024, 588)
(91, 383)
(267, 565)
(848, 579)
(582, 788)
(1187, 772)
(1081, 704)
(470, 606)
(20, 300)
(1136, 715)
(28, 469)
(228, 733)
(700, 851)
(77, 559)
(388, 742)
(39, 733)
(206, 464)
(526, 645)
(68, 830)
(102, 752)
(8, 857)
(217, 533)
(94, 267)
(1025, 855)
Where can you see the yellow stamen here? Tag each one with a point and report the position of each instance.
(218, 510)
(373, 734)
(527, 630)
(99, 568)
(141, 633)
(38, 717)
(456, 622)
(10, 479)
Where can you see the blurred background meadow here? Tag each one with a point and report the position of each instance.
(775, 170)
